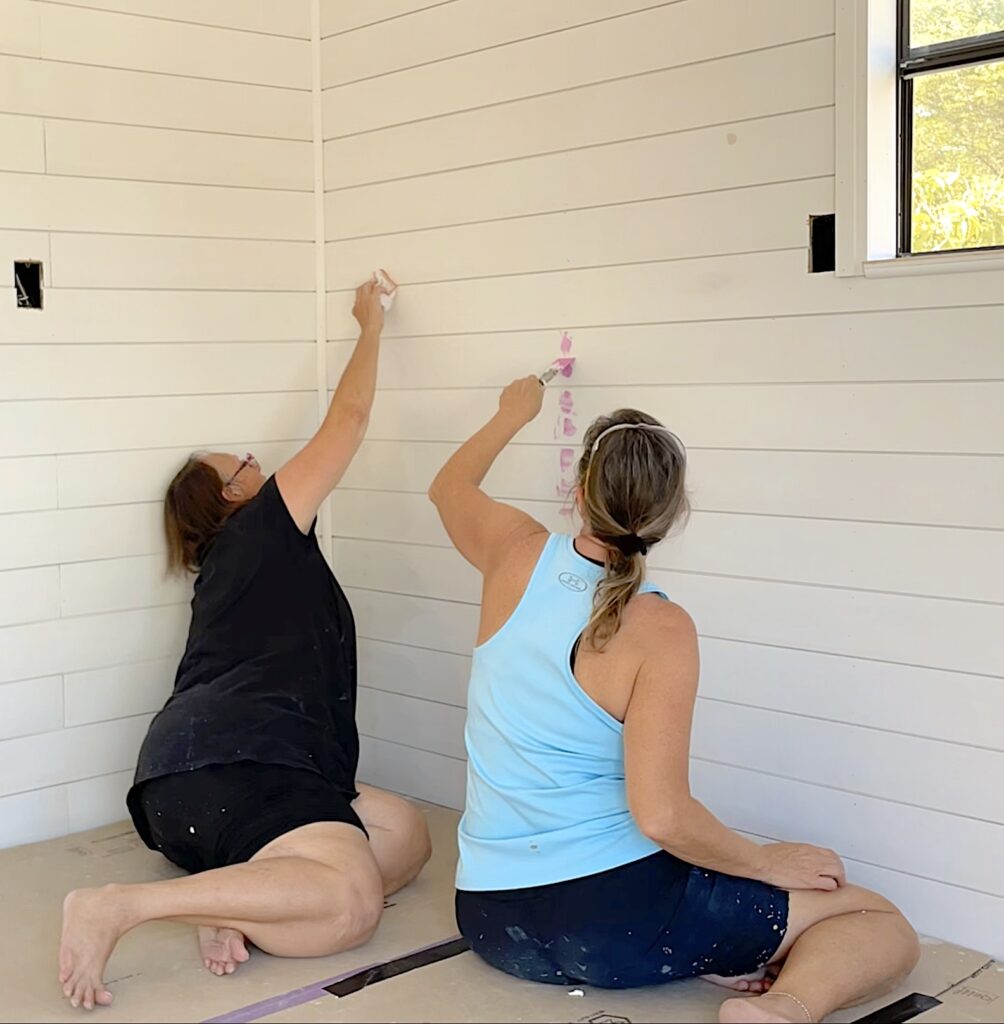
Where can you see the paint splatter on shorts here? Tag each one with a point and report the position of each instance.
(648, 922)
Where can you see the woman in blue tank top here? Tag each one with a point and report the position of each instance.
(584, 858)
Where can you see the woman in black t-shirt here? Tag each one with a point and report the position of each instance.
(246, 778)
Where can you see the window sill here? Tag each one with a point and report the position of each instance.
(947, 263)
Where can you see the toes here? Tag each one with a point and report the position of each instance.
(104, 997)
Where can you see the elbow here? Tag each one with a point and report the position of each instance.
(665, 825)
(435, 491)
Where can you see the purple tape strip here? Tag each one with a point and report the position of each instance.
(299, 996)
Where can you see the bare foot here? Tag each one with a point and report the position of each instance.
(756, 983)
(222, 950)
(93, 921)
(766, 1009)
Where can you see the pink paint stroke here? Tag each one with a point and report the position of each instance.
(565, 365)
(566, 342)
(567, 458)
(565, 402)
(569, 429)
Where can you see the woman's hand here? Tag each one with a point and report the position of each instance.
(367, 309)
(800, 866)
(522, 400)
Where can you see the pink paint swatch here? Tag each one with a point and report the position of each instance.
(566, 342)
(565, 511)
(567, 458)
(565, 402)
(568, 428)
(566, 364)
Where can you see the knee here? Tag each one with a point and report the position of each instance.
(351, 915)
(868, 902)
(421, 841)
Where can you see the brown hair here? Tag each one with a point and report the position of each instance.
(633, 492)
(195, 511)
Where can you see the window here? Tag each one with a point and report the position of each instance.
(950, 81)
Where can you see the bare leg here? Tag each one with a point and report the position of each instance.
(399, 841)
(841, 948)
(399, 836)
(315, 891)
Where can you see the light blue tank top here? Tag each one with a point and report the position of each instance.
(546, 799)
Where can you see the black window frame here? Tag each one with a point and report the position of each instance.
(912, 62)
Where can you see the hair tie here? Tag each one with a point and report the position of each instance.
(631, 544)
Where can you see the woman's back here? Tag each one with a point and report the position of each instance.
(546, 796)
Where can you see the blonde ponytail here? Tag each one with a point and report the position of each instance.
(632, 488)
(623, 579)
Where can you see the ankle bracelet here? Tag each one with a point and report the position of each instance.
(798, 1002)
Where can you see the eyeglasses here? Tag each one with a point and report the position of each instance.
(248, 460)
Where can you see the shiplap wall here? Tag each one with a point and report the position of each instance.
(639, 174)
(156, 154)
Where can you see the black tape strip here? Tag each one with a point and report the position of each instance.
(402, 965)
(902, 1010)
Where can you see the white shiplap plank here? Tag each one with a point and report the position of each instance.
(18, 244)
(118, 691)
(431, 675)
(437, 728)
(956, 636)
(867, 761)
(780, 148)
(874, 695)
(27, 485)
(664, 36)
(33, 817)
(292, 18)
(861, 828)
(28, 595)
(135, 261)
(82, 93)
(55, 758)
(31, 706)
(827, 485)
(109, 39)
(876, 417)
(54, 427)
(23, 144)
(721, 288)
(113, 478)
(661, 229)
(140, 316)
(160, 154)
(414, 621)
(59, 203)
(789, 78)
(441, 32)
(118, 584)
(822, 348)
(98, 801)
(70, 535)
(347, 15)
(411, 772)
(21, 28)
(73, 645)
(947, 635)
(108, 371)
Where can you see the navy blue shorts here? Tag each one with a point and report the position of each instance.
(645, 923)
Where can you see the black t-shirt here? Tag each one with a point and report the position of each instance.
(269, 671)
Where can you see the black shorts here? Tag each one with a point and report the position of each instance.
(224, 814)
(651, 921)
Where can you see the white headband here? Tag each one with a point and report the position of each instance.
(636, 426)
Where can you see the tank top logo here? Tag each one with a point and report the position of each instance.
(572, 582)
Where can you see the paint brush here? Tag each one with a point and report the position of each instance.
(548, 375)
